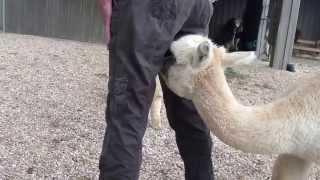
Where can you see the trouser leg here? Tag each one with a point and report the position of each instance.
(192, 135)
(140, 36)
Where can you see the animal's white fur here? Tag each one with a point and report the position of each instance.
(155, 110)
(289, 126)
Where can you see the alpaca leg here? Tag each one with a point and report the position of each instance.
(289, 167)
(155, 111)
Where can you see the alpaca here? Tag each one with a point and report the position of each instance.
(289, 126)
(155, 110)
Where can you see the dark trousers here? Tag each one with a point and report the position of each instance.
(142, 31)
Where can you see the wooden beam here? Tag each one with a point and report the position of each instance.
(262, 42)
(307, 42)
(4, 15)
(318, 44)
(286, 32)
(309, 49)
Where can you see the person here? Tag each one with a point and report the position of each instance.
(141, 33)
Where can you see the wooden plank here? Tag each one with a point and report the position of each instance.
(274, 15)
(281, 37)
(68, 19)
(293, 23)
(308, 57)
(307, 42)
(309, 49)
(286, 34)
(262, 42)
(309, 19)
(2, 15)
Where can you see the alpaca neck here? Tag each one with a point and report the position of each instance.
(243, 127)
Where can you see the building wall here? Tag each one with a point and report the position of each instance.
(1, 17)
(309, 22)
(70, 19)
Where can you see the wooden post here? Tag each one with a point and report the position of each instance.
(285, 35)
(4, 15)
(261, 42)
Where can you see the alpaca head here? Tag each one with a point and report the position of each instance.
(194, 54)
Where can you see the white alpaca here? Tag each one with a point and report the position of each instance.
(155, 110)
(289, 126)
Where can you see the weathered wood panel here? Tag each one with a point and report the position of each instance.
(308, 21)
(1, 15)
(261, 50)
(285, 34)
(69, 19)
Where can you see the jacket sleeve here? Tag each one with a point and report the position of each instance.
(106, 11)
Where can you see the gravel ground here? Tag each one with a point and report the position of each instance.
(52, 101)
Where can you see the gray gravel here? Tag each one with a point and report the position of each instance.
(52, 101)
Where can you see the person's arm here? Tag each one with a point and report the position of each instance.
(106, 10)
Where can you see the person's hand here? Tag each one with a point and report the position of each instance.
(106, 9)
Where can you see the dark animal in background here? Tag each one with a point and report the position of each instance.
(229, 35)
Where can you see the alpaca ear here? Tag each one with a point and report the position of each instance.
(203, 50)
(238, 58)
(203, 53)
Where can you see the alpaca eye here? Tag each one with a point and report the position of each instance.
(202, 57)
